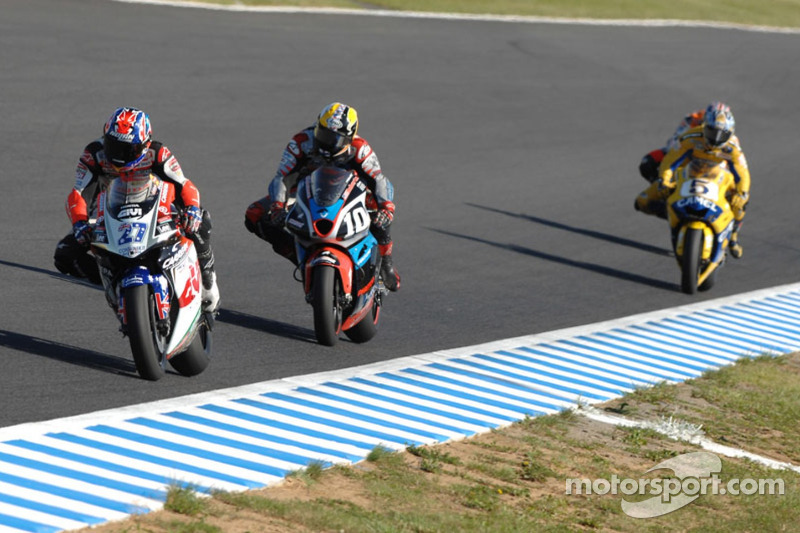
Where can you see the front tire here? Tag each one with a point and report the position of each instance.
(197, 356)
(327, 305)
(367, 327)
(147, 344)
(690, 262)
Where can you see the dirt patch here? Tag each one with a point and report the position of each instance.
(519, 471)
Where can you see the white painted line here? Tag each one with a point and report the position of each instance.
(39, 517)
(650, 23)
(676, 430)
(168, 474)
(55, 500)
(273, 432)
(110, 416)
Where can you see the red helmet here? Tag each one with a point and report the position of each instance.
(126, 137)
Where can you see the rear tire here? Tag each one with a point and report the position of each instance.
(147, 344)
(197, 356)
(327, 307)
(690, 262)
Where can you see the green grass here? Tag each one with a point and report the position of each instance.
(781, 13)
(513, 479)
(184, 499)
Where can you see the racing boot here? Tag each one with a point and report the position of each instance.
(210, 293)
(652, 200)
(734, 246)
(391, 278)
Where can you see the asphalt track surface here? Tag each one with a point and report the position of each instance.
(513, 149)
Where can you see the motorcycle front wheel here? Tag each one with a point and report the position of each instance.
(326, 301)
(367, 327)
(691, 261)
(147, 344)
(197, 356)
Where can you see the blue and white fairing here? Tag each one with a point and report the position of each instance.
(331, 208)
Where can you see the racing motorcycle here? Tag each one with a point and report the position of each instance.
(701, 221)
(338, 257)
(152, 276)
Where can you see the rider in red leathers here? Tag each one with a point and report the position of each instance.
(648, 167)
(127, 149)
(332, 140)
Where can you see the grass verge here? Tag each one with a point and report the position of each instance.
(778, 13)
(514, 479)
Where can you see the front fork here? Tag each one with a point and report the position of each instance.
(708, 240)
(140, 275)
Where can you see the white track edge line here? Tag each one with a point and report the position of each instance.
(649, 23)
(285, 384)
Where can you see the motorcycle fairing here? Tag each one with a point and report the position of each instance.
(343, 221)
(164, 259)
(334, 258)
(140, 275)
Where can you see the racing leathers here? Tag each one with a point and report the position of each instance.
(648, 167)
(265, 217)
(93, 174)
(691, 144)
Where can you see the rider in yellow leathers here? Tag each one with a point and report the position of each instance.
(714, 141)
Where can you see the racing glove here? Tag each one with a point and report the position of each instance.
(191, 219)
(383, 218)
(277, 213)
(82, 232)
(738, 200)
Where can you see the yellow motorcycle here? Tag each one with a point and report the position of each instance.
(701, 221)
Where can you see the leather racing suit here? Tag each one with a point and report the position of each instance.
(298, 161)
(93, 175)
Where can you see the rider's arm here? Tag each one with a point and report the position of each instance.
(166, 166)
(292, 161)
(86, 177)
(739, 169)
(369, 169)
(672, 161)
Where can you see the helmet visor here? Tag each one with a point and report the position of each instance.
(329, 142)
(121, 153)
(714, 136)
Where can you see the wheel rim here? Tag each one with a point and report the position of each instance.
(159, 340)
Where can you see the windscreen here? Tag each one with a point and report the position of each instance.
(141, 191)
(328, 184)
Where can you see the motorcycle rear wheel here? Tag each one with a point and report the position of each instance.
(197, 356)
(147, 344)
(326, 301)
(691, 260)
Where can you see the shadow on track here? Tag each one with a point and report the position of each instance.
(67, 354)
(581, 231)
(606, 271)
(52, 273)
(266, 325)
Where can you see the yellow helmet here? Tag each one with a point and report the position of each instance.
(336, 126)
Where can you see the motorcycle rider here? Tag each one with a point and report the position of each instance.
(333, 141)
(714, 141)
(648, 167)
(127, 150)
